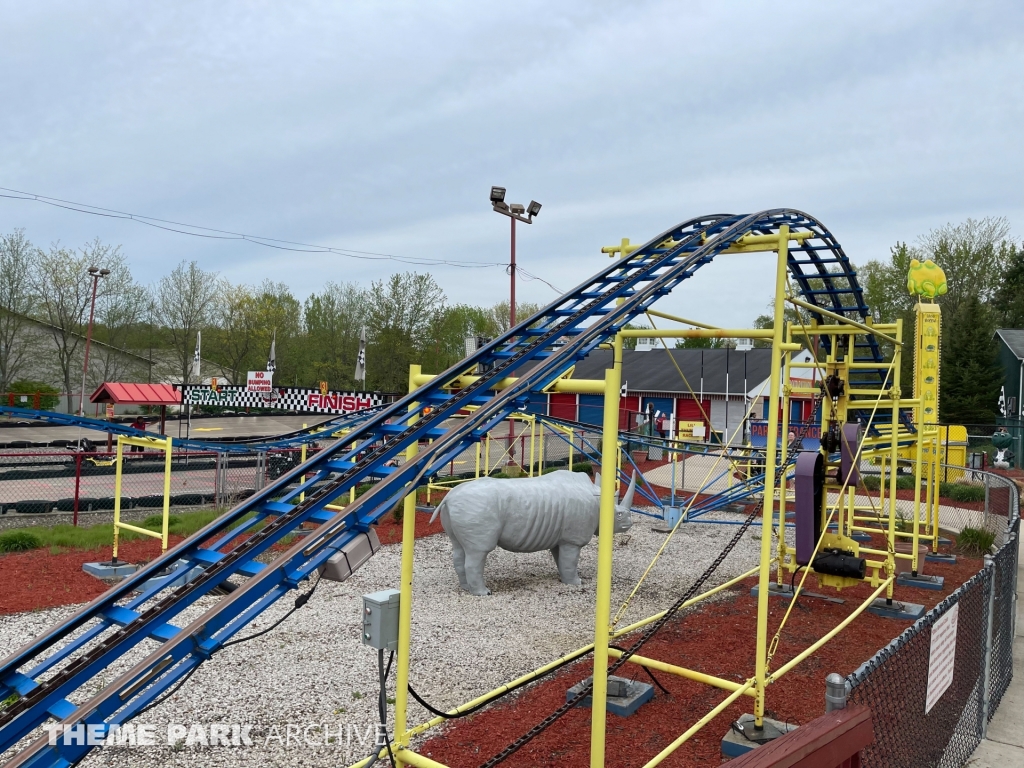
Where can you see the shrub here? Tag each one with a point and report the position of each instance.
(975, 542)
(903, 482)
(583, 466)
(48, 396)
(19, 541)
(962, 491)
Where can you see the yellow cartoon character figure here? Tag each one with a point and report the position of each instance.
(926, 279)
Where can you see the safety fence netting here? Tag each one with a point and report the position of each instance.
(55, 482)
(934, 688)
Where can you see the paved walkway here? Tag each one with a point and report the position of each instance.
(1004, 746)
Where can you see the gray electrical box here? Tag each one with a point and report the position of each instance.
(380, 619)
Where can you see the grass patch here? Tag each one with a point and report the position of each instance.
(64, 536)
(962, 491)
(8, 701)
(19, 541)
(975, 542)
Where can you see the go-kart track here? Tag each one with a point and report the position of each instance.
(105, 663)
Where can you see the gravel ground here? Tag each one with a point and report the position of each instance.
(311, 680)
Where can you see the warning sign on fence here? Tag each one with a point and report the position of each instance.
(259, 381)
(942, 656)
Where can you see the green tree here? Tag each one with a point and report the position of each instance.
(449, 328)
(17, 302)
(121, 308)
(230, 342)
(630, 343)
(63, 288)
(399, 318)
(972, 254)
(970, 376)
(1008, 301)
(186, 302)
(333, 319)
(499, 315)
(275, 314)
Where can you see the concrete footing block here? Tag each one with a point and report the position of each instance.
(672, 517)
(921, 581)
(898, 610)
(774, 590)
(181, 572)
(936, 557)
(110, 570)
(743, 737)
(629, 696)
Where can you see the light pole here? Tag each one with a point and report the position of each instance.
(515, 212)
(96, 273)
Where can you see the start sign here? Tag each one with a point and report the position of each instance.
(259, 381)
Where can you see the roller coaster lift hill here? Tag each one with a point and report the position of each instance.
(864, 417)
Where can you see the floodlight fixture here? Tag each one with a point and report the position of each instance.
(104, 272)
(533, 209)
(94, 270)
(517, 208)
(497, 194)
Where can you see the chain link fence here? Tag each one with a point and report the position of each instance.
(56, 484)
(915, 729)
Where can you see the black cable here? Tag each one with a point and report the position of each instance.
(645, 669)
(300, 601)
(222, 234)
(508, 690)
(382, 703)
(168, 694)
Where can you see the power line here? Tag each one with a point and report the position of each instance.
(222, 234)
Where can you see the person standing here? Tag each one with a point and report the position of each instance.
(139, 424)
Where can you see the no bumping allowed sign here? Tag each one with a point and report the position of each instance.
(259, 381)
(942, 657)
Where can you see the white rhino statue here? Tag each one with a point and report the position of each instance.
(559, 512)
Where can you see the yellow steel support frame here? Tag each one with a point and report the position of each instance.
(886, 446)
(603, 607)
(771, 459)
(405, 596)
(154, 443)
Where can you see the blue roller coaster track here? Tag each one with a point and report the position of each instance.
(321, 431)
(56, 667)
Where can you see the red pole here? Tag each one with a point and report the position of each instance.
(78, 484)
(512, 303)
(511, 325)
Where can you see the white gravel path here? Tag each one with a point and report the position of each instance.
(313, 672)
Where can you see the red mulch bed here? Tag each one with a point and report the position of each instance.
(718, 640)
(37, 579)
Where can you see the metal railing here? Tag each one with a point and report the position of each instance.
(45, 482)
(914, 726)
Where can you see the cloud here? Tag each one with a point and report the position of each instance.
(381, 126)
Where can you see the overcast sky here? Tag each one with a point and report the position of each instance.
(380, 126)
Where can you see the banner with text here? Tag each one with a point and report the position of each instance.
(283, 398)
(259, 381)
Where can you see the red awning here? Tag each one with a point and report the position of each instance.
(136, 394)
